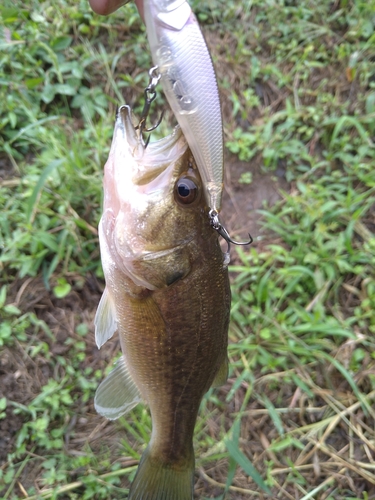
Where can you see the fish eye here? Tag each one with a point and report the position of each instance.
(186, 191)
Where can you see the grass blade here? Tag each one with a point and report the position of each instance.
(31, 206)
(242, 460)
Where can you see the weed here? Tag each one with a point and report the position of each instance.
(296, 416)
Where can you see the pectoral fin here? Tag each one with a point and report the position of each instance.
(222, 374)
(105, 320)
(117, 394)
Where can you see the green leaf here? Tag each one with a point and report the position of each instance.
(370, 104)
(47, 240)
(5, 332)
(62, 289)
(3, 403)
(11, 309)
(38, 18)
(48, 93)
(82, 329)
(3, 295)
(9, 14)
(33, 82)
(65, 89)
(12, 119)
(61, 43)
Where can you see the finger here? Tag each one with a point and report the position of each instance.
(105, 7)
(139, 4)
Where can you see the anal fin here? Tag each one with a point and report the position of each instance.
(117, 394)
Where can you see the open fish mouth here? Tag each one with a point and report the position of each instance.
(142, 224)
(152, 159)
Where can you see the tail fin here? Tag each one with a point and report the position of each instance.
(154, 481)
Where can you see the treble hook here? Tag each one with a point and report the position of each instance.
(149, 95)
(217, 225)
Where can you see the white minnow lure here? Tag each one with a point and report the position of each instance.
(188, 79)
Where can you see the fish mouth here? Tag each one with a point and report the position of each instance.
(151, 159)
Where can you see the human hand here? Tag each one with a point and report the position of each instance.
(105, 7)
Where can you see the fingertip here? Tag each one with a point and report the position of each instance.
(105, 7)
(139, 4)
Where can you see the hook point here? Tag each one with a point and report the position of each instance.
(218, 226)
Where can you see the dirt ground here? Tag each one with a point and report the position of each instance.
(242, 201)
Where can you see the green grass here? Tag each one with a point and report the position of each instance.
(296, 417)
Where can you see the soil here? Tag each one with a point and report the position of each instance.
(242, 201)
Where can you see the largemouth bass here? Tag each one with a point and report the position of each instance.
(188, 79)
(167, 294)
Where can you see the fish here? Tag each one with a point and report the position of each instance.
(167, 295)
(188, 79)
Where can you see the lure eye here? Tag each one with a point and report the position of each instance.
(186, 191)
